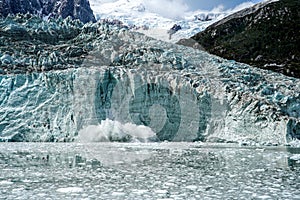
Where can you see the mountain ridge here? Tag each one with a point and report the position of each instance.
(265, 36)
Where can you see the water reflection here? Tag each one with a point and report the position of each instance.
(194, 156)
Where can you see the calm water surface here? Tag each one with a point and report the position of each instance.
(147, 171)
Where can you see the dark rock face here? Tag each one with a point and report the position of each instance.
(76, 9)
(266, 36)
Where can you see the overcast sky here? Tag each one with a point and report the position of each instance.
(177, 8)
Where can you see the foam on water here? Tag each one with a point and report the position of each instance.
(109, 130)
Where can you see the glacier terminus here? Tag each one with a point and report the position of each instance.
(99, 73)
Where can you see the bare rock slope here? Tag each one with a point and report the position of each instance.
(76, 9)
(266, 36)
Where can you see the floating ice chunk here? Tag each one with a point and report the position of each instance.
(139, 192)
(70, 190)
(161, 191)
(118, 194)
(264, 197)
(295, 157)
(191, 187)
(165, 199)
(6, 183)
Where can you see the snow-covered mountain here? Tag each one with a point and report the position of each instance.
(76, 9)
(155, 21)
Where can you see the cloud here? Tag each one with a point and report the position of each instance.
(243, 6)
(221, 7)
(167, 8)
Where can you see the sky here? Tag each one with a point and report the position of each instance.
(210, 4)
(176, 8)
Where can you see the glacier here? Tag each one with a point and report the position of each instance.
(150, 18)
(123, 77)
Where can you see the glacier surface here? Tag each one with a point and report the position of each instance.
(182, 94)
(151, 19)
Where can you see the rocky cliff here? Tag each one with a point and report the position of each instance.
(266, 36)
(76, 9)
(93, 72)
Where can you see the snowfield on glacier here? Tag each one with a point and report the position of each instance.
(99, 72)
(154, 20)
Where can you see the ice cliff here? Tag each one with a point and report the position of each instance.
(51, 90)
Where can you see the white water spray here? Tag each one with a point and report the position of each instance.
(109, 130)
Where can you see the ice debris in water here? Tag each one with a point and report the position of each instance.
(70, 190)
(295, 157)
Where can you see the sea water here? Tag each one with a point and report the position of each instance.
(148, 171)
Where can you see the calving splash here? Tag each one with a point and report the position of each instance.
(114, 131)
